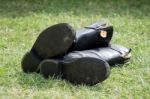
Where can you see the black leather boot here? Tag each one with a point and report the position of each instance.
(53, 41)
(57, 39)
(88, 70)
(96, 35)
(88, 66)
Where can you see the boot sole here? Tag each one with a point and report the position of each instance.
(53, 41)
(89, 71)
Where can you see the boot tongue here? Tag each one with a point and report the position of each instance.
(96, 25)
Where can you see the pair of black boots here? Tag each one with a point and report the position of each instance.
(80, 56)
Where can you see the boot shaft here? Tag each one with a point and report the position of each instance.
(93, 36)
(113, 54)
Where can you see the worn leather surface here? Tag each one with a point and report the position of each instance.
(113, 54)
(89, 37)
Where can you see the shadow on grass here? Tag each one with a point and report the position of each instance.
(37, 82)
(21, 8)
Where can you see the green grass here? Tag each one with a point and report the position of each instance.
(21, 21)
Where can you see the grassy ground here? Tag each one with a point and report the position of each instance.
(22, 20)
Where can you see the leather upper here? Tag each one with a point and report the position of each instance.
(90, 37)
(113, 54)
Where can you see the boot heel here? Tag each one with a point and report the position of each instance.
(50, 68)
(30, 62)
